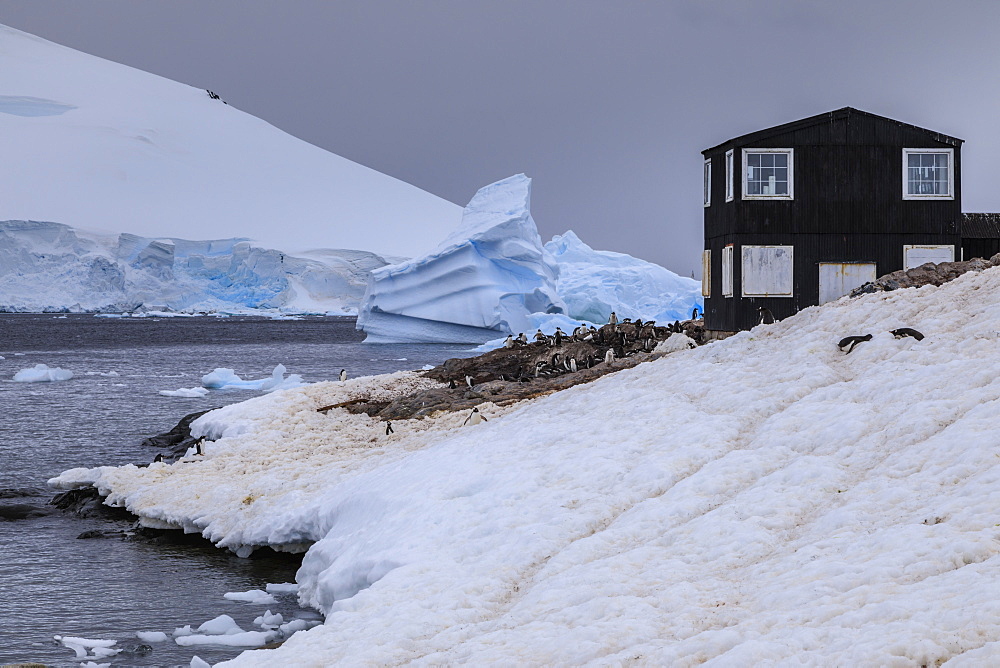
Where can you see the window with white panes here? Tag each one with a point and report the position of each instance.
(729, 175)
(928, 173)
(708, 183)
(768, 173)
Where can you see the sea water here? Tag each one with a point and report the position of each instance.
(52, 583)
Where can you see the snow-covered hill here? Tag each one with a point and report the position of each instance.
(97, 145)
(763, 500)
(49, 266)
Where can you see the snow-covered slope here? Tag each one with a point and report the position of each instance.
(594, 283)
(98, 145)
(50, 266)
(482, 281)
(763, 500)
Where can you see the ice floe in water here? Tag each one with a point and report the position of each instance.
(226, 379)
(152, 636)
(254, 596)
(186, 392)
(87, 648)
(42, 373)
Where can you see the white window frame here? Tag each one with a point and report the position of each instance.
(707, 182)
(791, 173)
(729, 175)
(706, 273)
(727, 276)
(950, 152)
(908, 247)
(790, 250)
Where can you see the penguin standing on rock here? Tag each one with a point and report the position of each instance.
(343, 375)
(609, 356)
(451, 384)
(475, 417)
(613, 320)
(509, 341)
(468, 380)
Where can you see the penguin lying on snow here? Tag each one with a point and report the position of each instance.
(852, 341)
(907, 331)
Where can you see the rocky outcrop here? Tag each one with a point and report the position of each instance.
(175, 443)
(925, 274)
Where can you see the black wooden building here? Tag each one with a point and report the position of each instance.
(980, 235)
(801, 213)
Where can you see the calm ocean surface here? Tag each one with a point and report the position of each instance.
(50, 582)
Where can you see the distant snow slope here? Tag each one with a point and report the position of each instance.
(763, 500)
(94, 144)
(49, 266)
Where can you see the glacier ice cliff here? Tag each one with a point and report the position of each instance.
(48, 266)
(594, 283)
(493, 276)
(485, 279)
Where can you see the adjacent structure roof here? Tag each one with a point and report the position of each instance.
(981, 225)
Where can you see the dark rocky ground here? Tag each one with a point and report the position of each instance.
(508, 375)
(925, 274)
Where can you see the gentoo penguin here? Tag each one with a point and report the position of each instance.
(451, 384)
(158, 457)
(475, 417)
(572, 364)
(906, 331)
(852, 341)
(695, 313)
(509, 341)
(388, 428)
(613, 320)
(468, 380)
(765, 316)
(522, 339)
(609, 356)
(540, 338)
(559, 336)
(343, 375)
(198, 446)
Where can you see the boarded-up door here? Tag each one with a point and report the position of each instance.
(836, 279)
(914, 256)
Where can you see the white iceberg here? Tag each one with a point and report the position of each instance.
(254, 597)
(227, 379)
(42, 373)
(594, 283)
(51, 267)
(151, 636)
(484, 280)
(221, 625)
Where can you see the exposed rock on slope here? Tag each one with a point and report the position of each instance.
(925, 274)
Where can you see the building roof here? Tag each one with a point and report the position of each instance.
(981, 225)
(828, 117)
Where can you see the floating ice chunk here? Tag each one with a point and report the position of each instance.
(42, 373)
(223, 378)
(254, 596)
(198, 662)
(295, 625)
(282, 587)
(151, 636)
(269, 620)
(244, 639)
(221, 625)
(109, 374)
(99, 648)
(94, 664)
(182, 631)
(186, 392)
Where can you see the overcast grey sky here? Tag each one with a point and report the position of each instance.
(607, 105)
